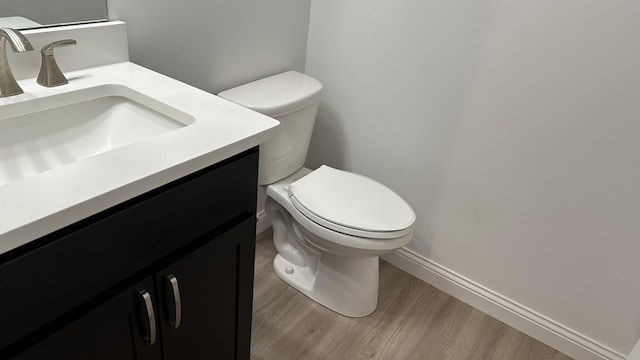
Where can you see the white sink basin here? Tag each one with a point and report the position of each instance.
(45, 133)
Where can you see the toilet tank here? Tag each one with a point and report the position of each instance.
(292, 98)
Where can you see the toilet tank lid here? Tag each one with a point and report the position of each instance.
(276, 95)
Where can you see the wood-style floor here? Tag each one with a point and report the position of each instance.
(413, 321)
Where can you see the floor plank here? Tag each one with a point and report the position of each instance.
(413, 321)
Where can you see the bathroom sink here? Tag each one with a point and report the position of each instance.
(48, 132)
(115, 132)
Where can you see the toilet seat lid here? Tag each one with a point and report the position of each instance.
(345, 201)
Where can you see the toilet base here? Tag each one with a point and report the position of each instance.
(346, 285)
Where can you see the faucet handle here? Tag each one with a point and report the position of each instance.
(47, 50)
(50, 74)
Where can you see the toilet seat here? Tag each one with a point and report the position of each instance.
(351, 204)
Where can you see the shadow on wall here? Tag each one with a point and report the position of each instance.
(327, 142)
(422, 242)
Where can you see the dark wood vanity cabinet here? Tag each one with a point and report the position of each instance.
(167, 275)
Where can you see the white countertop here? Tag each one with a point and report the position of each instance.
(45, 202)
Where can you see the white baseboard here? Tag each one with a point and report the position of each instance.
(262, 222)
(506, 310)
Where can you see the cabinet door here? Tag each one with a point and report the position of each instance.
(118, 329)
(206, 299)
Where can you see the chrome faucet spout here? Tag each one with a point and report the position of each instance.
(18, 43)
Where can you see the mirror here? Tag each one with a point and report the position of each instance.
(29, 14)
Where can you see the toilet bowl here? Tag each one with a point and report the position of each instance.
(337, 269)
(329, 226)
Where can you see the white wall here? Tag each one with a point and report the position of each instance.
(512, 128)
(215, 45)
(635, 352)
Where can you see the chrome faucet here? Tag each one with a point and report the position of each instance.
(18, 43)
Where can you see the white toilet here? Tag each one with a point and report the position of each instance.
(329, 225)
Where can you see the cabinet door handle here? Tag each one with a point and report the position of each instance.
(175, 316)
(149, 334)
